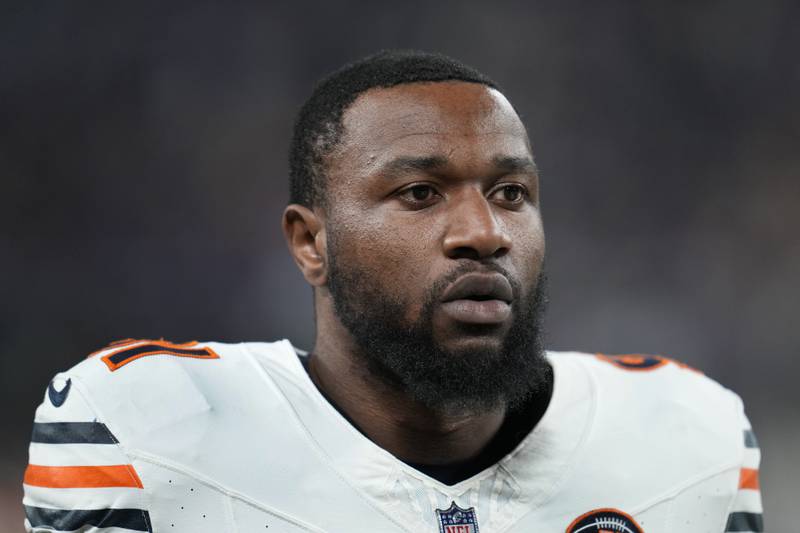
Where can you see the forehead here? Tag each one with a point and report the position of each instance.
(458, 119)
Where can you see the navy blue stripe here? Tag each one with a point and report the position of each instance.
(750, 440)
(124, 355)
(751, 522)
(72, 433)
(63, 520)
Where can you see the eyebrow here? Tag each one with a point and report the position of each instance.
(513, 165)
(434, 163)
(406, 164)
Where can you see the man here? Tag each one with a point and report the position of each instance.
(428, 403)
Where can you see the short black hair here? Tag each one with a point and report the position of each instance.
(318, 128)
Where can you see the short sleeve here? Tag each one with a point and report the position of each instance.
(746, 513)
(78, 476)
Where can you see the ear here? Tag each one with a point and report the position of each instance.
(305, 236)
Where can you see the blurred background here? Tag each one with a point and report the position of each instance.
(143, 174)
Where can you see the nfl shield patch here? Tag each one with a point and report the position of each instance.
(457, 520)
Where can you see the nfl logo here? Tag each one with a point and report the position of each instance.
(457, 520)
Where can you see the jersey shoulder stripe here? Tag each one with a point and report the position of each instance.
(745, 523)
(82, 477)
(748, 479)
(76, 519)
(750, 440)
(72, 433)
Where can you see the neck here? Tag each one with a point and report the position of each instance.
(396, 422)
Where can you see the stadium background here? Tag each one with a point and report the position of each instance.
(143, 166)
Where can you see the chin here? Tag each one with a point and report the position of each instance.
(468, 345)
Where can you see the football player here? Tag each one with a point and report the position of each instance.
(428, 402)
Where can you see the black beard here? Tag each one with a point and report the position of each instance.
(407, 357)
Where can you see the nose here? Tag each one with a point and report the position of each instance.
(473, 231)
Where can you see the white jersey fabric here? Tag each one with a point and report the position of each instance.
(211, 437)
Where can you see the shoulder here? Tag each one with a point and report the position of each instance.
(109, 424)
(685, 435)
(138, 386)
(664, 406)
(146, 361)
(649, 380)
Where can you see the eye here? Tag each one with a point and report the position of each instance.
(511, 193)
(418, 195)
(421, 192)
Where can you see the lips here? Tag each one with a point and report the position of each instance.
(478, 299)
(480, 287)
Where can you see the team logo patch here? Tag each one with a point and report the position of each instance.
(604, 521)
(457, 520)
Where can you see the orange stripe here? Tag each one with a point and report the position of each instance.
(81, 477)
(748, 479)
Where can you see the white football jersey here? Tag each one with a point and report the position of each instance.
(209, 437)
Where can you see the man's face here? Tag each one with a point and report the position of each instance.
(435, 242)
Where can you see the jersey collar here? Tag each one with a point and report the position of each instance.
(526, 478)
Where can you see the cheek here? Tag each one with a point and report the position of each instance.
(528, 250)
(388, 253)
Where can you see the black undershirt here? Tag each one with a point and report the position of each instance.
(516, 426)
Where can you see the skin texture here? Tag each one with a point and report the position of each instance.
(429, 178)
